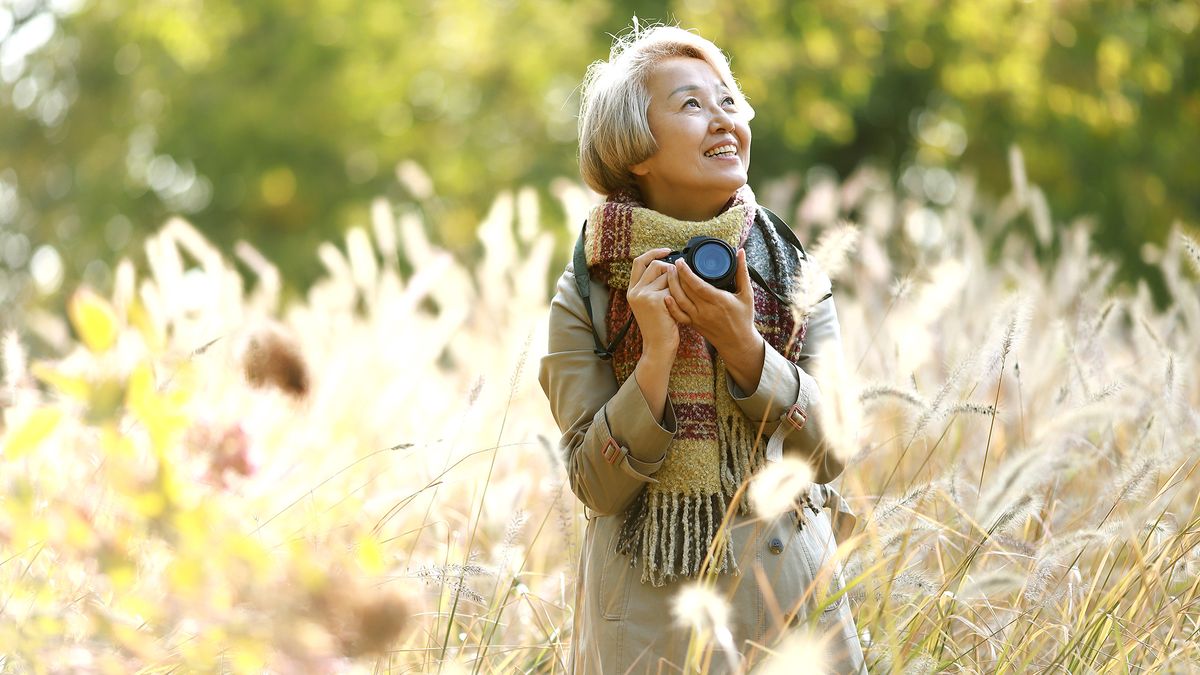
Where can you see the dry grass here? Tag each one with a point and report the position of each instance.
(368, 481)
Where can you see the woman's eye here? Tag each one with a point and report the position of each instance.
(692, 101)
(728, 101)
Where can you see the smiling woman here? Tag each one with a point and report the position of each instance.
(672, 392)
(703, 141)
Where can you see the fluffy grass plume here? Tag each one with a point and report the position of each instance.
(777, 488)
(167, 511)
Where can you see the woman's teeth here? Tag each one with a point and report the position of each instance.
(722, 150)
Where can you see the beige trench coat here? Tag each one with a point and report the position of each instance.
(624, 626)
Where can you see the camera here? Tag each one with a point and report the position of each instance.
(711, 259)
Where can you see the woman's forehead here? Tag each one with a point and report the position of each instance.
(680, 74)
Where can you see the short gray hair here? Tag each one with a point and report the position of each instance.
(614, 132)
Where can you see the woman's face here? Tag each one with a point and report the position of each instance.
(703, 141)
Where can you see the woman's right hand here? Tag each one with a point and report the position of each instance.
(647, 294)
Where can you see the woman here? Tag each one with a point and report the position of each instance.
(678, 391)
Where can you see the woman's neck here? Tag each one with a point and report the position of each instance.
(694, 208)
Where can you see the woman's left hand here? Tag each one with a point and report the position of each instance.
(725, 319)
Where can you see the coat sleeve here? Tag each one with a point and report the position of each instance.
(788, 398)
(611, 441)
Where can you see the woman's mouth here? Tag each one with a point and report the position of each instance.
(722, 151)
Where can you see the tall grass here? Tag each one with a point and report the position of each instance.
(368, 479)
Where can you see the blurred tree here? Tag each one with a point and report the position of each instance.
(277, 121)
(1103, 98)
(274, 121)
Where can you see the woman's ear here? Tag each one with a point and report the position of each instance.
(639, 169)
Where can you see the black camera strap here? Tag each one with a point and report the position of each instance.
(583, 282)
(790, 237)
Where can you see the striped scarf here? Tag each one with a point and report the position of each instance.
(674, 524)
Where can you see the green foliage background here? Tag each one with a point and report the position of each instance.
(277, 121)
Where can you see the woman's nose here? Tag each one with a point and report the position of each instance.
(721, 121)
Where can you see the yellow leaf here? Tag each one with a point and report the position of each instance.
(140, 396)
(80, 534)
(140, 319)
(370, 555)
(249, 657)
(149, 504)
(36, 428)
(94, 320)
(74, 386)
(186, 575)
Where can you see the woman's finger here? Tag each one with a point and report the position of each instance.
(679, 316)
(641, 262)
(678, 293)
(693, 284)
(743, 276)
(658, 283)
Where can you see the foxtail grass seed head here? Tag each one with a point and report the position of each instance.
(476, 388)
(799, 654)
(922, 664)
(777, 488)
(840, 410)
(14, 359)
(272, 359)
(1015, 514)
(901, 287)
(977, 409)
(1016, 167)
(884, 391)
(520, 367)
(1106, 392)
(933, 411)
(808, 288)
(834, 247)
(905, 584)
(700, 608)
(1137, 479)
(1010, 328)
(453, 576)
(907, 504)
(1039, 213)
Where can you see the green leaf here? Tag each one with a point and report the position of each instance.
(36, 428)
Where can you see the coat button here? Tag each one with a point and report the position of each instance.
(775, 545)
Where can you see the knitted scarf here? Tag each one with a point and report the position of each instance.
(674, 523)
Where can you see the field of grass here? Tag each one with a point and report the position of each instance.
(367, 480)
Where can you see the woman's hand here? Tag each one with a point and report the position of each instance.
(725, 319)
(648, 294)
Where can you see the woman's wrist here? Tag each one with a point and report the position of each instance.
(653, 374)
(738, 345)
(744, 358)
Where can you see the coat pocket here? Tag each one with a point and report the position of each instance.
(616, 576)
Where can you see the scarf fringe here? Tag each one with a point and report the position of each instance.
(657, 532)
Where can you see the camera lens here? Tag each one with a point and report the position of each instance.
(712, 260)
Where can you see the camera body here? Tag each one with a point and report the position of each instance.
(712, 259)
